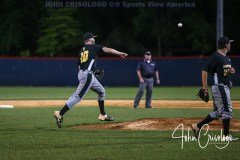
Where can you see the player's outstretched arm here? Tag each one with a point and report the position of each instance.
(115, 52)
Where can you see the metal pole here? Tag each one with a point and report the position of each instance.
(219, 20)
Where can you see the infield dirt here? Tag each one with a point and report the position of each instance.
(115, 103)
(159, 124)
(140, 124)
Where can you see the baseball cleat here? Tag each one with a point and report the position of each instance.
(59, 119)
(134, 107)
(105, 118)
(229, 138)
(149, 107)
(195, 130)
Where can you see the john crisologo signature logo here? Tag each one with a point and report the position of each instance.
(204, 139)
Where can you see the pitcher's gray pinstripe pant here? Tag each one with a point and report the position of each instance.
(86, 81)
(222, 102)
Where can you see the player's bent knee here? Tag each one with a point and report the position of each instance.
(102, 96)
(227, 115)
(214, 115)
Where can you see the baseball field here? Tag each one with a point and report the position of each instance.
(28, 130)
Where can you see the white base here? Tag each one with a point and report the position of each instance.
(6, 106)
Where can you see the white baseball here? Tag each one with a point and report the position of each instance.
(179, 25)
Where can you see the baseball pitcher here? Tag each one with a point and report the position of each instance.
(87, 80)
(219, 67)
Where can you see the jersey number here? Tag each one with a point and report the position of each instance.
(84, 56)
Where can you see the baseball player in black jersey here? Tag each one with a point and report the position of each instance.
(87, 80)
(219, 67)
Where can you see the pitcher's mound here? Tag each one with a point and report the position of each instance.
(159, 124)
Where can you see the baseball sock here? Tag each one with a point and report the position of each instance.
(206, 120)
(101, 107)
(226, 124)
(64, 110)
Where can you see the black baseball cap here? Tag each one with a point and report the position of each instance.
(88, 35)
(147, 53)
(224, 40)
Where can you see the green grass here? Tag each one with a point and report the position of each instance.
(166, 93)
(31, 133)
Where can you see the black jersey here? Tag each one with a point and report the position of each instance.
(87, 56)
(217, 65)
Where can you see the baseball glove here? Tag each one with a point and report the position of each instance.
(203, 94)
(98, 73)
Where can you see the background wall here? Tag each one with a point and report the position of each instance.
(118, 72)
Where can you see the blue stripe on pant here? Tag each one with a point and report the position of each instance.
(85, 80)
(84, 89)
